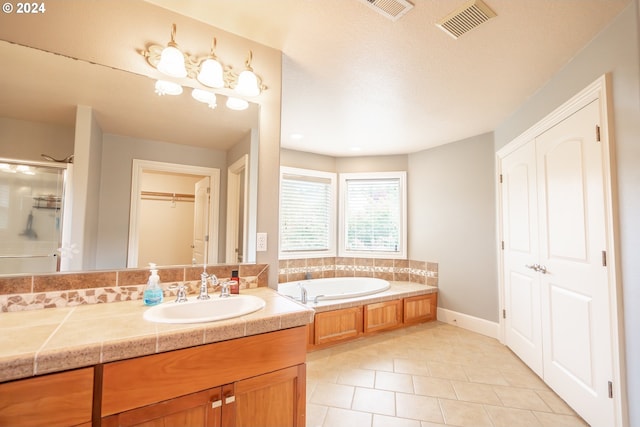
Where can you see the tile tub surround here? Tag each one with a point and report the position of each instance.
(32, 292)
(400, 270)
(38, 342)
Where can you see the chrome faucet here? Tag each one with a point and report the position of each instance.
(204, 284)
(317, 298)
(303, 293)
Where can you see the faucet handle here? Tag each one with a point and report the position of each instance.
(181, 295)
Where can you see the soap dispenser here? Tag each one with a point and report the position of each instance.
(153, 292)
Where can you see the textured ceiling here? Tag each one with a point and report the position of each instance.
(357, 83)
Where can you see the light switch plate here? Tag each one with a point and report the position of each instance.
(261, 242)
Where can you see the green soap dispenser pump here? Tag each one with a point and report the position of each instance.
(153, 294)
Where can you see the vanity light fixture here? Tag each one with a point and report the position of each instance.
(209, 71)
(237, 104)
(171, 59)
(205, 97)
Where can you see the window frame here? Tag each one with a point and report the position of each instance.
(401, 176)
(331, 250)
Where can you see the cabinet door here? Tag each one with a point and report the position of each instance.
(421, 308)
(197, 409)
(338, 325)
(383, 315)
(63, 399)
(276, 399)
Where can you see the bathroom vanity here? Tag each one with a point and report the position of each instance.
(238, 372)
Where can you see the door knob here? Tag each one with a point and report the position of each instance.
(534, 267)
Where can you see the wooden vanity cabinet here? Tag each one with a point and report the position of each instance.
(61, 399)
(382, 315)
(337, 325)
(251, 381)
(421, 308)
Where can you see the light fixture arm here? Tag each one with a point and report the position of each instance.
(172, 42)
(247, 63)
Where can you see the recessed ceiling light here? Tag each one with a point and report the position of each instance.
(355, 148)
(296, 136)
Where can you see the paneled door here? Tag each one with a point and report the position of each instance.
(520, 236)
(576, 318)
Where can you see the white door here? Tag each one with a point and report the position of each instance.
(521, 281)
(576, 324)
(201, 221)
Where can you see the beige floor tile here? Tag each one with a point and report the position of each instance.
(510, 417)
(315, 415)
(464, 414)
(418, 408)
(327, 394)
(357, 377)
(374, 401)
(559, 420)
(337, 417)
(485, 375)
(521, 398)
(448, 371)
(411, 366)
(556, 404)
(523, 378)
(434, 387)
(479, 393)
(393, 382)
(386, 421)
(428, 424)
(379, 364)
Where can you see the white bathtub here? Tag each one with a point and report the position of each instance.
(334, 288)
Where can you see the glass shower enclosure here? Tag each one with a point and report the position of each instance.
(31, 208)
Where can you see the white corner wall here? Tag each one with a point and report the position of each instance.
(452, 222)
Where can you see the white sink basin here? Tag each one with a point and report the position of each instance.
(197, 311)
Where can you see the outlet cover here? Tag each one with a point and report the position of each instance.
(261, 242)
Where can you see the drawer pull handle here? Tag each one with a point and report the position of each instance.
(229, 399)
(216, 404)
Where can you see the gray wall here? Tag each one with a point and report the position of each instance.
(452, 222)
(118, 153)
(616, 51)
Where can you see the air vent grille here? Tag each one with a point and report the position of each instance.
(466, 18)
(392, 9)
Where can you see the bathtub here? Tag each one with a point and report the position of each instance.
(334, 288)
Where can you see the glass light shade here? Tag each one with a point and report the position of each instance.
(237, 104)
(164, 87)
(204, 96)
(247, 84)
(172, 62)
(211, 73)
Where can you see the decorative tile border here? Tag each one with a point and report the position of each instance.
(19, 293)
(421, 272)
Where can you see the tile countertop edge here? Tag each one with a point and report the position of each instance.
(77, 355)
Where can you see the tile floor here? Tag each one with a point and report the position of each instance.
(428, 375)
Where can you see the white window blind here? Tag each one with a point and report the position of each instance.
(307, 210)
(373, 214)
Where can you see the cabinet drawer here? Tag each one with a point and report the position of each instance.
(63, 399)
(338, 325)
(421, 308)
(382, 315)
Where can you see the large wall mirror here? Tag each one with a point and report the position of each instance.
(51, 102)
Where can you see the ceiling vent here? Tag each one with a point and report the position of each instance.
(392, 9)
(466, 18)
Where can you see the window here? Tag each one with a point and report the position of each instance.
(307, 213)
(373, 215)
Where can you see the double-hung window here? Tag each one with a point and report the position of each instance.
(307, 213)
(373, 215)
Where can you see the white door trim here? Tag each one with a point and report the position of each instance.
(139, 166)
(234, 184)
(599, 89)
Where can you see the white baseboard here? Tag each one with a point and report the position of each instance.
(474, 324)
